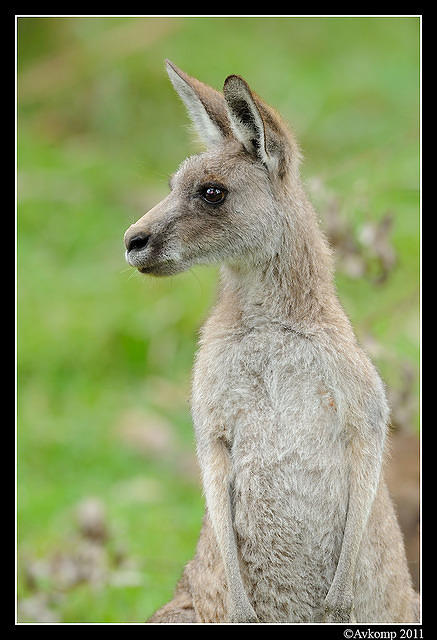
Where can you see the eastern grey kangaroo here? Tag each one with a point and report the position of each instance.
(290, 415)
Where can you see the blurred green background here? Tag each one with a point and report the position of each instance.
(109, 503)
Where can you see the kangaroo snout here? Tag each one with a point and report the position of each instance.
(138, 238)
(151, 245)
(137, 242)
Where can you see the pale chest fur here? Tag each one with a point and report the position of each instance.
(268, 394)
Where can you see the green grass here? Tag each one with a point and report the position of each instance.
(99, 131)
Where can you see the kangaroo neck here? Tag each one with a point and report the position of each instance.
(292, 286)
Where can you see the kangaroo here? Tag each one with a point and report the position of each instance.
(290, 415)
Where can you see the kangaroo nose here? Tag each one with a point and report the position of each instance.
(137, 242)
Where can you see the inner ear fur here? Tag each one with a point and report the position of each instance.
(206, 106)
(246, 121)
(259, 127)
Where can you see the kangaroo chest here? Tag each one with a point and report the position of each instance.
(268, 395)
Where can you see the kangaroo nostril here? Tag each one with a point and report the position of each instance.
(138, 242)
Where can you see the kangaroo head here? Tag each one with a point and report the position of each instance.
(223, 203)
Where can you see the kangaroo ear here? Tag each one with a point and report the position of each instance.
(245, 117)
(258, 127)
(206, 106)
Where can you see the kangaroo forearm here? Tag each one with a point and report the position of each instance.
(215, 466)
(364, 479)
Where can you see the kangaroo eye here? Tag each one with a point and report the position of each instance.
(213, 195)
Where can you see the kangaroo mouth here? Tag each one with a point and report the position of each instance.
(164, 268)
(153, 261)
(145, 264)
